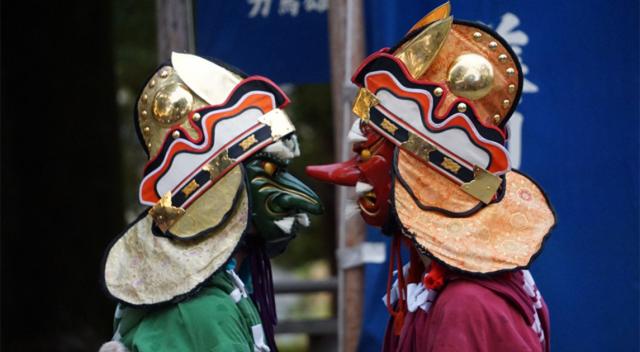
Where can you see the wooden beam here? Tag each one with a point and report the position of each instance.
(175, 27)
(346, 37)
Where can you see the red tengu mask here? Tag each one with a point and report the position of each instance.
(369, 171)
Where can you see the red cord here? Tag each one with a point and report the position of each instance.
(416, 266)
(400, 310)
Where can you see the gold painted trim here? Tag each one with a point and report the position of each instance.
(248, 142)
(164, 214)
(450, 165)
(363, 103)
(218, 164)
(388, 126)
(484, 185)
(419, 147)
(188, 189)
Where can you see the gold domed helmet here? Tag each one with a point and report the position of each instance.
(198, 121)
(443, 97)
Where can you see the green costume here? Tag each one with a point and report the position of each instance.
(219, 318)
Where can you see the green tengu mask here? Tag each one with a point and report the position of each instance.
(280, 201)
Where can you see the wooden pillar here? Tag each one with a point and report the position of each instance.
(174, 27)
(346, 35)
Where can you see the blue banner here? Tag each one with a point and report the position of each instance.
(285, 40)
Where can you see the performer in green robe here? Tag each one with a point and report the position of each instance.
(192, 272)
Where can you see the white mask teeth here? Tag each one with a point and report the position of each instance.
(285, 224)
(363, 187)
(303, 219)
(355, 134)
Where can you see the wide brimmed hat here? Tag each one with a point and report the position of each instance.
(198, 121)
(443, 96)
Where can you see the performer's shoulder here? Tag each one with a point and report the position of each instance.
(465, 297)
(209, 319)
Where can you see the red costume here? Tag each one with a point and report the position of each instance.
(503, 313)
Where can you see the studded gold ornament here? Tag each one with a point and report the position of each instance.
(172, 103)
(470, 76)
(164, 105)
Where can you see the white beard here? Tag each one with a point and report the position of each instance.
(286, 224)
(285, 149)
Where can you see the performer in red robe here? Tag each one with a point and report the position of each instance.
(433, 171)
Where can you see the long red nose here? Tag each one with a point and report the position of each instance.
(345, 173)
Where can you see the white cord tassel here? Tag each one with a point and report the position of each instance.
(113, 346)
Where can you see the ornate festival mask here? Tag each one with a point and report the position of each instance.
(369, 172)
(442, 98)
(280, 200)
(218, 145)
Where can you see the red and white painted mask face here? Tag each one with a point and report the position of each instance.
(369, 171)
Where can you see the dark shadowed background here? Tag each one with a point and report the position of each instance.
(61, 202)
